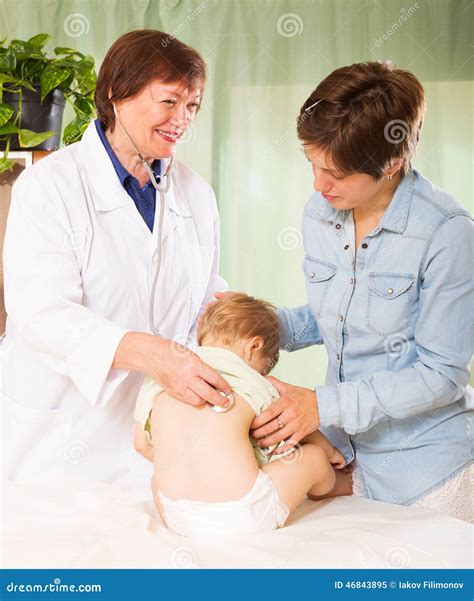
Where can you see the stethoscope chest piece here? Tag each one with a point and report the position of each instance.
(230, 403)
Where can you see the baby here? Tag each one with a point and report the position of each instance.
(209, 476)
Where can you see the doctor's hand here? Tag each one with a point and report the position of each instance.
(291, 418)
(176, 368)
(223, 294)
(185, 376)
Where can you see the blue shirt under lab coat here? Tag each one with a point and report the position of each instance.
(144, 198)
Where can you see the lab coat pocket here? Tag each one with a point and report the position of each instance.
(319, 275)
(390, 299)
(35, 441)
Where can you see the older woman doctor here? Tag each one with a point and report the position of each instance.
(80, 259)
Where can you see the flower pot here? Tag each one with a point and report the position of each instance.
(37, 116)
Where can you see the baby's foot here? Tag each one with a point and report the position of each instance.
(337, 459)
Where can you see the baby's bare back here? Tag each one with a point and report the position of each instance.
(200, 454)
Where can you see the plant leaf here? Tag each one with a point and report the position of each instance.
(84, 106)
(39, 40)
(6, 111)
(51, 77)
(62, 50)
(26, 84)
(24, 50)
(4, 78)
(8, 129)
(7, 60)
(89, 61)
(5, 164)
(75, 129)
(31, 69)
(28, 138)
(21, 46)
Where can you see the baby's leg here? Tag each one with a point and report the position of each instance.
(342, 487)
(319, 440)
(335, 456)
(307, 470)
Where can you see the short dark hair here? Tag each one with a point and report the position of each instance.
(136, 59)
(365, 116)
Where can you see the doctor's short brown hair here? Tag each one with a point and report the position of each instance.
(365, 116)
(238, 316)
(138, 58)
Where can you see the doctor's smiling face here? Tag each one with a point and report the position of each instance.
(148, 92)
(156, 118)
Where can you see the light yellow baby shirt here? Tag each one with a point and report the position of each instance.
(244, 381)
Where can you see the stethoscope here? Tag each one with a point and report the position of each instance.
(163, 188)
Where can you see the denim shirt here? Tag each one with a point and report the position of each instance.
(397, 324)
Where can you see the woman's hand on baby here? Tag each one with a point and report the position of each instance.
(291, 418)
(185, 376)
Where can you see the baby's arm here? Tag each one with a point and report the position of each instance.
(334, 455)
(142, 444)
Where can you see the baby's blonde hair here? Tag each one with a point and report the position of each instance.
(238, 316)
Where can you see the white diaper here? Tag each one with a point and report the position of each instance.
(260, 510)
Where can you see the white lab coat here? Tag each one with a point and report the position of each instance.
(78, 265)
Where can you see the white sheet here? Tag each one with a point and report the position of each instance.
(99, 525)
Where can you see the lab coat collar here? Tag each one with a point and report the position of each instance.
(106, 190)
(395, 218)
(122, 173)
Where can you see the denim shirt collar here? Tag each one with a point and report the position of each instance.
(395, 218)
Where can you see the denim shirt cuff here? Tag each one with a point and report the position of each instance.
(285, 327)
(329, 406)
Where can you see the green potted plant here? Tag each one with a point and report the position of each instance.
(34, 88)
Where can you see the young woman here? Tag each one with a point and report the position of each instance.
(388, 270)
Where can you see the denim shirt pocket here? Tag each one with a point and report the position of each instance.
(318, 279)
(390, 300)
